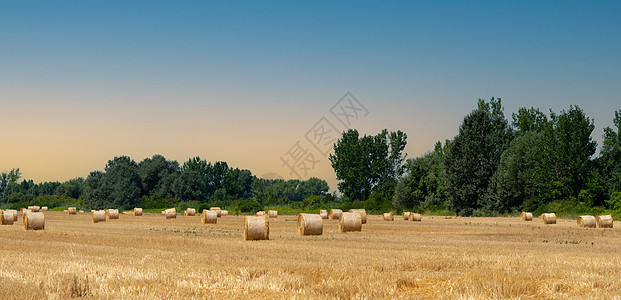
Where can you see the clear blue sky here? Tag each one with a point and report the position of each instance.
(83, 81)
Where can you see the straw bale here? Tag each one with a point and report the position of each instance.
(137, 211)
(350, 221)
(335, 214)
(310, 224)
(323, 213)
(72, 210)
(99, 216)
(224, 213)
(526, 216)
(34, 221)
(112, 213)
(414, 217)
(272, 213)
(209, 217)
(362, 212)
(548, 218)
(388, 217)
(6, 218)
(605, 221)
(256, 228)
(586, 221)
(171, 213)
(406, 215)
(189, 212)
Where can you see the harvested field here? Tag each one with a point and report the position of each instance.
(440, 257)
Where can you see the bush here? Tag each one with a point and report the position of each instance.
(249, 206)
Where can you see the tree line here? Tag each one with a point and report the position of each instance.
(536, 162)
(157, 183)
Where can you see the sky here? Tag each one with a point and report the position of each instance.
(260, 83)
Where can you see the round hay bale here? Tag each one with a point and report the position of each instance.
(65, 210)
(112, 214)
(605, 221)
(34, 221)
(99, 216)
(12, 212)
(224, 213)
(350, 221)
(388, 217)
(414, 217)
(323, 213)
(362, 212)
(256, 228)
(44, 208)
(526, 216)
(548, 218)
(310, 224)
(72, 210)
(171, 213)
(209, 217)
(163, 212)
(35, 209)
(217, 209)
(335, 214)
(406, 215)
(137, 211)
(272, 214)
(189, 212)
(260, 213)
(6, 218)
(586, 221)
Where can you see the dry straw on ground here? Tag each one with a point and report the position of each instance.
(323, 213)
(362, 212)
(6, 218)
(272, 213)
(34, 221)
(586, 221)
(310, 224)
(526, 216)
(112, 214)
(171, 213)
(190, 212)
(72, 210)
(99, 216)
(335, 214)
(209, 217)
(548, 218)
(605, 221)
(414, 217)
(217, 210)
(256, 228)
(388, 217)
(350, 221)
(137, 211)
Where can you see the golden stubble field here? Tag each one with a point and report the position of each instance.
(149, 257)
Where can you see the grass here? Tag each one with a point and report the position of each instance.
(149, 257)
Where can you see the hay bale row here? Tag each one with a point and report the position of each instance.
(323, 214)
(414, 217)
(34, 208)
(335, 214)
(605, 221)
(310, 224)
(189, 212)
(362, 212)
(526, 216)
(350, 221)
(34, 221)
(272, 214)
(137, 211)
(98, 216)
(256, 228)
(209, 217)
(170, 213)
(72, 210)
(548, 218)
(112, 214)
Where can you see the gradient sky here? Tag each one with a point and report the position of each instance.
(84, 81)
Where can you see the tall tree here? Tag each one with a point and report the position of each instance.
(363, 164)
(610, 156)
(153, 169)
(474, 154)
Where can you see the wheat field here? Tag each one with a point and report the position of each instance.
(149, 257)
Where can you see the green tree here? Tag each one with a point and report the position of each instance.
(363, 163)
(153, 170)
(474, 154)
(610, 157)
(5, 179)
